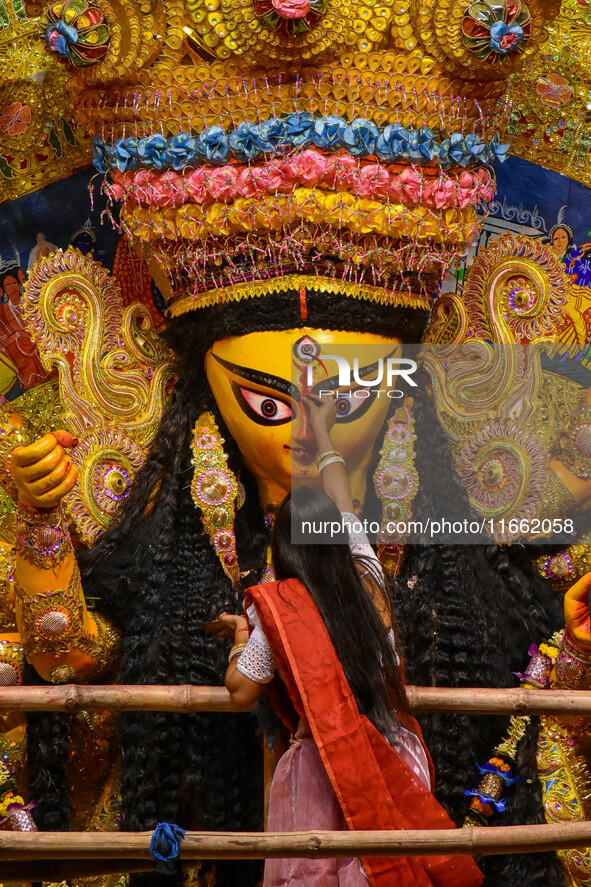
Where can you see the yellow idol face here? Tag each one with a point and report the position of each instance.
(259, 381)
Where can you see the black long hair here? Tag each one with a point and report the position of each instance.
(157, 578)
(466, 615)
(331, 576)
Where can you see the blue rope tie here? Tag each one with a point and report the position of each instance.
(165, 846)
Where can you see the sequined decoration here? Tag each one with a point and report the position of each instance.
(487, 797)
(115, 376)
(494, 465)
(52, 619)
(538, 670)
(40, 142)
(492, 30)
(574, 447)
(42, 536)
(77, 31)
(252, 175)
(396, 479)
(566, 567)
(547, 119)
(20, 818)
(53, 622)
(515, 293)
(61, 674)
(12, 662)
(566, 792)
(573, 665)
(214, 490)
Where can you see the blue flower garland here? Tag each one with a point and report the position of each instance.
(251, 141)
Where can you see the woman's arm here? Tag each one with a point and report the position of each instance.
(335, 482)
(243, 692)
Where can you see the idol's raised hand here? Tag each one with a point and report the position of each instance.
(576, 612)
(43, 472)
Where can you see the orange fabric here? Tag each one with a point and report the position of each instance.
(375, 788)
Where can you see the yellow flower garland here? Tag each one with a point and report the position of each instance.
(335, 210)
(9, 799)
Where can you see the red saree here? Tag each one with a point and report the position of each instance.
(374, 786)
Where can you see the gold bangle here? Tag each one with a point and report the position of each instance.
(235, 651)
(322, 456)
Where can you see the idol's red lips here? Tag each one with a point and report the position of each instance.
(302, 454)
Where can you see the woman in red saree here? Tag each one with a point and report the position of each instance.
(315, 639)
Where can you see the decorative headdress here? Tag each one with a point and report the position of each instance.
(9, 259)
(87, 230)
(258, 146)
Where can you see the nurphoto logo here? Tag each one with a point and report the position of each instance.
(389, 368)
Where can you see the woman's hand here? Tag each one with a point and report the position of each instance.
(576, 612)
(227, 625)
(43, 472)
(322, 412)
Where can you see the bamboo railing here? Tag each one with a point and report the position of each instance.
(187, 698)
(31, 846)
(75, 854)
(60, 855)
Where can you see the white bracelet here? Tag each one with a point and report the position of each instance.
(333, 459)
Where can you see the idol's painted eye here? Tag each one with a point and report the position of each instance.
(354, 405)
(343, 406)
(264, 409)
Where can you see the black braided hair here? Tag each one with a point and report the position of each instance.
(48, 744)
(467, 615)
(525, 805)
(172, 769)
(158, 579)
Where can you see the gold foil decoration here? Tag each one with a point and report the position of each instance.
(396, 479)
(214, 490)
(566, 793)
(114, 377)
(39, 142)
(501, 413)
(547, 117)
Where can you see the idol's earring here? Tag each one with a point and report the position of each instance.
(396, 482)
(214, 490)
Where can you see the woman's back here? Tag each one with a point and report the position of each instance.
(332, 578)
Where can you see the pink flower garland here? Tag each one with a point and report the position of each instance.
(308, 169)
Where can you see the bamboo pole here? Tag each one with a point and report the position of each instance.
(486, 700)
(116, 697)
(186, 698)
(125, 846)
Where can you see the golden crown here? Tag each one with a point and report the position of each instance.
(255, 145)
